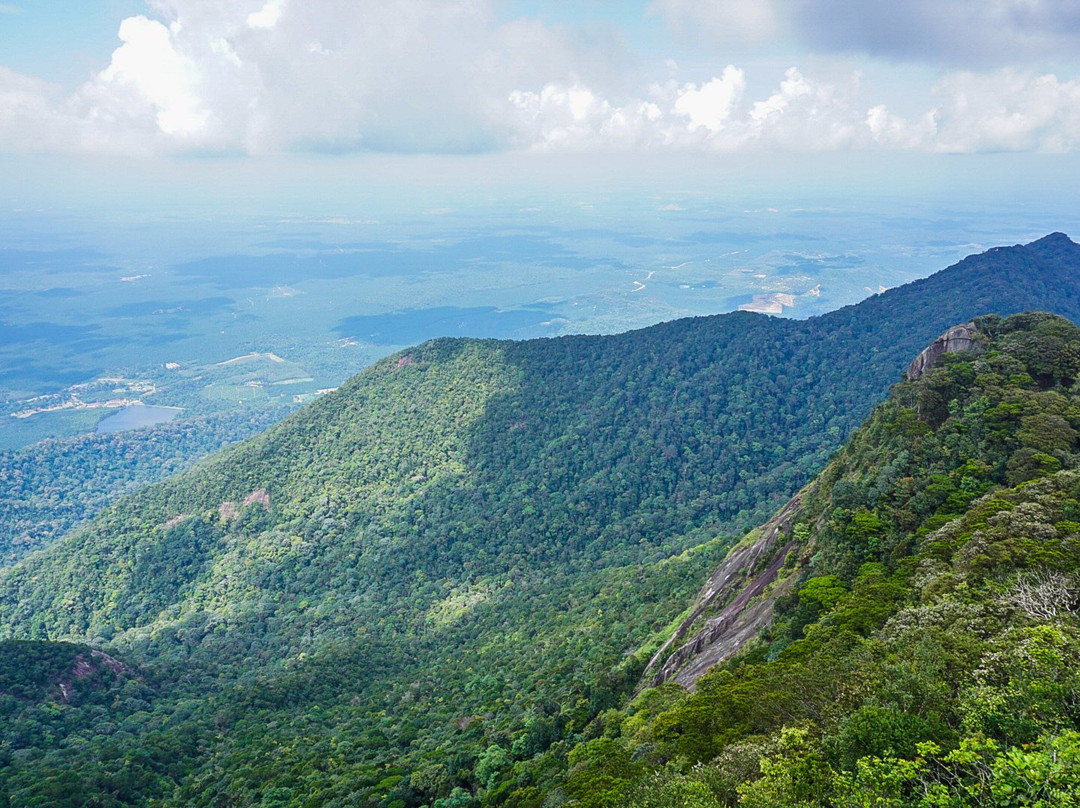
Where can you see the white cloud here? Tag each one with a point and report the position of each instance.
(794, 86)
(894, 132)
(574, 118)
(1003, 111)
(149, 63)
(261, 76)
(1007, 111)
(267, 76)
(801, 115)
(710, 105)
(267, 16)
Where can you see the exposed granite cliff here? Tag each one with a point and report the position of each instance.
(958, 338)
(743, 576)
(741, 593)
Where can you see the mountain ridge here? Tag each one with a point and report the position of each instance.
(1041, 267)
(473, 548)
(926, 633)
(725, 635)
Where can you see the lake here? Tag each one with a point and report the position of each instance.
(135, 416)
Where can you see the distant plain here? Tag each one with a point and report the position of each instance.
(97, 312)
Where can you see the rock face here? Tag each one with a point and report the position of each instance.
(740, 587)
(958, 338)
(743, 576)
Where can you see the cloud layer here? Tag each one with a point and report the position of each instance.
(958, 33)
(1001, 111)
(267, 76)
(968, 33)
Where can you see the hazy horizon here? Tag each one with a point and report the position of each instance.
(187, 183)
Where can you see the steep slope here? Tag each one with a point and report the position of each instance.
(469, 551)
(924, 636)
(752, 569)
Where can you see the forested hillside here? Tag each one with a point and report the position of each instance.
(850, 356)
(925, 647)
(430, 585)
(55, 485)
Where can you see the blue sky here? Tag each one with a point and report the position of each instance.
(189, 88)
(59, 40)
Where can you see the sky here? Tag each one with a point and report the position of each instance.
(191, 107)
(228, 78)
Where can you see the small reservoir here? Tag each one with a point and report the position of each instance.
(135, 416)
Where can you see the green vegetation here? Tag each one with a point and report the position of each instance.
(57, 484)
(295, 593)
(441, 584)
(930, 648)
(774, 397)
(928, 655)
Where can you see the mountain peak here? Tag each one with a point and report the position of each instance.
(1053, 239)
(1054, 246)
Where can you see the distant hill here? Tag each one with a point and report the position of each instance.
(464, 555)
(53, 485)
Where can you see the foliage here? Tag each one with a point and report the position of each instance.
(55, 485)
(732, 412)
(440, 585)
(929, 655)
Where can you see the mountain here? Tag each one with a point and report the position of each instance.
(458, 561)
(62, 483)
(57, 484)
(922, 641)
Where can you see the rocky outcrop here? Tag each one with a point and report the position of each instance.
(740, 586)
(743, 576)
(958, 338)
(83, 668)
